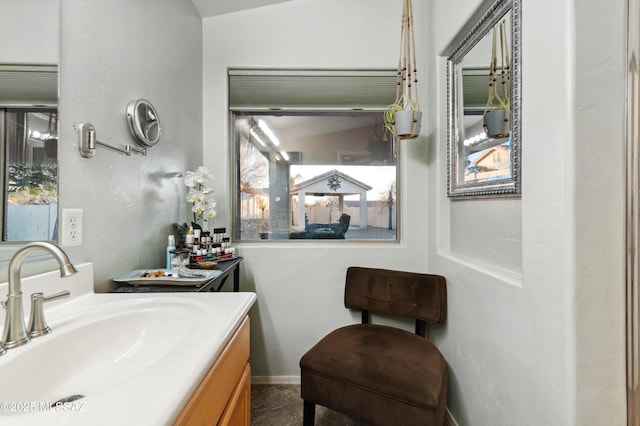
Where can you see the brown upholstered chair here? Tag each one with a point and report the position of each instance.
(381, 374)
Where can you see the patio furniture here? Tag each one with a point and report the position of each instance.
(324, 231)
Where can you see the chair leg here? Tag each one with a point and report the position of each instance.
(309, 413)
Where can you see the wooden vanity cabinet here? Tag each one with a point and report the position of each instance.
(224, 396)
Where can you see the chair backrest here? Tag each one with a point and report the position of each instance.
(407, 294)
(345, 219)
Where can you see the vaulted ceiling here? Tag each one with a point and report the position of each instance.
(208, 8)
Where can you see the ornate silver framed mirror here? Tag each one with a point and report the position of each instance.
(144, 122)
(483, 82)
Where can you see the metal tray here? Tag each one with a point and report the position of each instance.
(134, 277)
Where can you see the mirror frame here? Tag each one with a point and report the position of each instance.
(479, 25)
(136, 122)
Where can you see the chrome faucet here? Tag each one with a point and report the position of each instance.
(15, 333)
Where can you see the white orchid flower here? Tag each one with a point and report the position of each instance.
(200, 176)
(208, 200)
(200, 183)
(206, 189)
(208, 205)
(195, 196)
(207, 183)
(198, 208)
(191, 179)
(203, 172)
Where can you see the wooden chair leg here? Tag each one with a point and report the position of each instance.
(309, 413)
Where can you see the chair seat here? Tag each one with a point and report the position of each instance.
(376, 360)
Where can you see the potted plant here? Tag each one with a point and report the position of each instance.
(407, 122)
(495, 118)
(201, 194)
(389, 116)
(403, 116)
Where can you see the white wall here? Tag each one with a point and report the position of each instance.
(598, 154)
(29, 31)
(113, 52)
(542, 342)
(300, 286)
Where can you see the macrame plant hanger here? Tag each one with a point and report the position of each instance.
(407, 80)
(502, 99)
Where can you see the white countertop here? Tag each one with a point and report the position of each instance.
(155, 394)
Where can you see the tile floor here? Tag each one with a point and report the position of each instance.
(281, 405)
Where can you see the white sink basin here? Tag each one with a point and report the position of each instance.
(92, 351)
(123, 358)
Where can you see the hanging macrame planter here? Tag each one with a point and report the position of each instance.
(403, 117)
(495, 118)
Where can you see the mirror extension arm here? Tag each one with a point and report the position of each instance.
(87, 142)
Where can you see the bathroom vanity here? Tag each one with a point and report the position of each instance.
(224, 396)
(144, 359)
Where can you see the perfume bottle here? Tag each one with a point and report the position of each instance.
(171, 245)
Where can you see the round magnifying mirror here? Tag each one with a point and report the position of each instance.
(144, 122)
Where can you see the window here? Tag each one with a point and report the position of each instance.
(313, 160)
(30, 179)
(303, 176)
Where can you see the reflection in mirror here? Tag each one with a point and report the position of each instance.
(30, 201)
(483, 83)
(144, 122)
(29, 146)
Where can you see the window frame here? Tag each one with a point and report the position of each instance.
(298, 91)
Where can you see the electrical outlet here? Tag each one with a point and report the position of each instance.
(71, 235)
